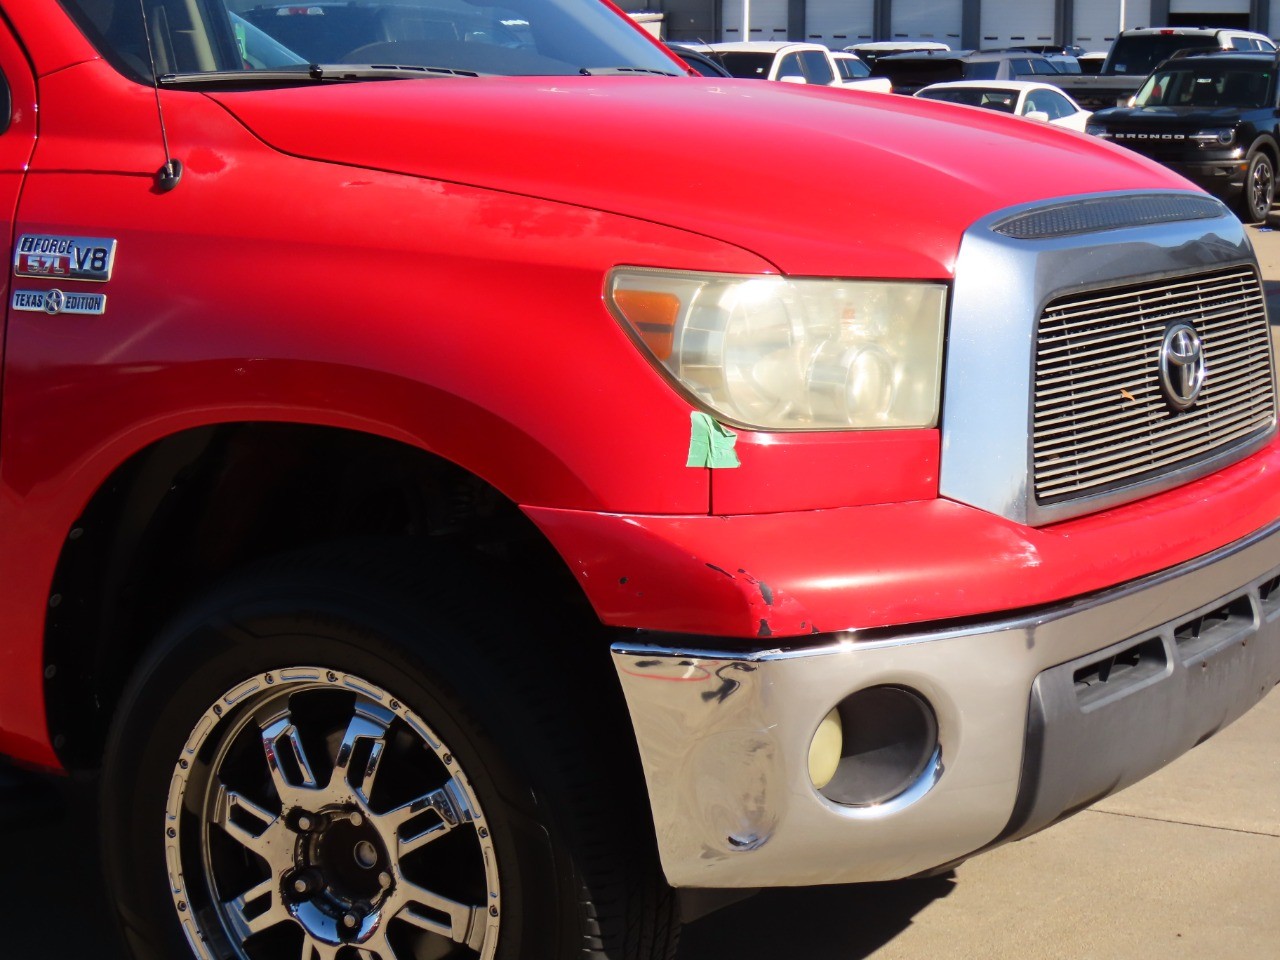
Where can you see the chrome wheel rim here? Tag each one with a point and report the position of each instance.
(312, 815)
(1263, 189)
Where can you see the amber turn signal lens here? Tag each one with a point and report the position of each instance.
(652, 315)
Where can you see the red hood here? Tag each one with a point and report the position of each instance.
(819, 182)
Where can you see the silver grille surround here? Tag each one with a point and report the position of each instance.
(1100, 421)
(1000, 289)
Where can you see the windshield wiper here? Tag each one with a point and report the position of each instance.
(625, 71)
(311, 73)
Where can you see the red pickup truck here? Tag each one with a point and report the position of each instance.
(457, 518)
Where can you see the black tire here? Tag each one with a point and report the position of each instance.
(1259, 191)
(535, 750)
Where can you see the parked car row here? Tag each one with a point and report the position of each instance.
(888, 66)
(896, 70)
(804, 63)
(909, 72)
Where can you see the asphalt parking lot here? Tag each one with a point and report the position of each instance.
(1185, 864)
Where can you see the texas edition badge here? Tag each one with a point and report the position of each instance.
(54, 302)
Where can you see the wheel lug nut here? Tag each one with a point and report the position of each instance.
(384, 878)
(350, 920)
(304, 883)
(356, 819)
(305, 823)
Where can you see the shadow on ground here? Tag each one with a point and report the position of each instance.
(815, 923)
(51, 882)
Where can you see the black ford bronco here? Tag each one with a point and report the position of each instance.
(1213, 118)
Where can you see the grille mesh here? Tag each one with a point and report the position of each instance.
(1107, 213)
(1100, 419)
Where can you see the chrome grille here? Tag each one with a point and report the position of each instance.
(1100, 419)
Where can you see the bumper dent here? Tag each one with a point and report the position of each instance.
(724, 737)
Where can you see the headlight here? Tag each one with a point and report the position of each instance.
(770, 353)
(1218, 136)
(1096, 130)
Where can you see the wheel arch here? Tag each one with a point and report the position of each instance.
(190, 507)
(1266, 144)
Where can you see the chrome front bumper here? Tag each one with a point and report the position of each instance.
(1028, 729)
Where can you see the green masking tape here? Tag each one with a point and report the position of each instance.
(711, 443)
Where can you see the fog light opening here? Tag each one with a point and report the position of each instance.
(888, 748)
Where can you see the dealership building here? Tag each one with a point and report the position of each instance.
(960, 23)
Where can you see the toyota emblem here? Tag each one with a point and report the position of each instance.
(1182, 366)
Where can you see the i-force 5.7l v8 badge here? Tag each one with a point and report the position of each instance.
(64, 258)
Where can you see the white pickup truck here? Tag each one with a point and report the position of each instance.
(810, 63)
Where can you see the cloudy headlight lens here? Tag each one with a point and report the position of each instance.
(773, 353)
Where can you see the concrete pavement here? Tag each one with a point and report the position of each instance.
(1266, 241)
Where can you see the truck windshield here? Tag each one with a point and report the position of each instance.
(503, 38)
(1206, 85)
(1140, 54)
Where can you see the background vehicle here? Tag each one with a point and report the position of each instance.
(1135, 53)
(1035, 101)
(443, 544)
(1062, 62)
(910, 71)
(854, 73)
(1068, 50)
(872, 50)
(1092, 62)
(809, 63)
(1213, 118)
